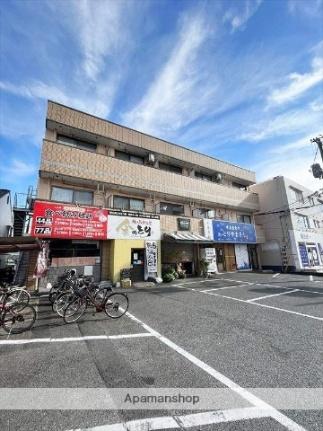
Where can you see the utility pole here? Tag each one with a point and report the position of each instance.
(316, 167)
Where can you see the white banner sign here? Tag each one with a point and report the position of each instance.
(242, 256)
(133, 227)
(151, 256)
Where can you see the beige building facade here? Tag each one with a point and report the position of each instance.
(159, 186)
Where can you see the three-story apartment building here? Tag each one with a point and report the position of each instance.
(110, 198)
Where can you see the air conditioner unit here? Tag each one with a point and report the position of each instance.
(211, 214)
(151, 158)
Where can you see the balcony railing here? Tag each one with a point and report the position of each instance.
(72, 162)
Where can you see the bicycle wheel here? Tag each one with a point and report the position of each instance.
(101, 295)
(17, 319)
(116, 305)
(62, 301)
(75, 310)
(20, 296)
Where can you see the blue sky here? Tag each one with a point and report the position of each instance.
(239, 80)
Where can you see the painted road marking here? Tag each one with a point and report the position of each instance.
(72, 339)
(244, 393)
(222, 288)
(270, 296)
(276, 275)
(187, 421)
(261, 305)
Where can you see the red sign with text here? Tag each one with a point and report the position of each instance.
(55, 220)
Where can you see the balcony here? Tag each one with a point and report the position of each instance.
(58, 159)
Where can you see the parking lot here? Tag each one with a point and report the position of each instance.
(235, 331)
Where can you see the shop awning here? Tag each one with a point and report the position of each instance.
(187, 237)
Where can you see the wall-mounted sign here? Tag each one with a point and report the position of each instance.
(237, 233)
(151, 256)
(132, 225)
(303, 253)
(55, 220)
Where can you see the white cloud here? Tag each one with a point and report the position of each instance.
(295, 165)
(298, 84)
(97, 103)
(297, 144)
(101, 32)
(181, 91)
(296, 121)
(304, 7)
(238, 19)
(19, 168)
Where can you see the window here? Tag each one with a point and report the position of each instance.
(60, 194)
(183, 224)
(170, 168)
(317, 223)
(297, 195)
(202, 176)
(71, 142)
(124, 203)
(203, 213)
(239, 186)
(244, 218)
(129, 157)
(303, 222)
(173, 209)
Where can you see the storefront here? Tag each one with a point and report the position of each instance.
(99, 242)
(134, 243)
(184, 249)
(234, 244)
(307, 247)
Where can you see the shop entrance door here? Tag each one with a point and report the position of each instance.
(138, 264)
(220, 258)
(253, 258)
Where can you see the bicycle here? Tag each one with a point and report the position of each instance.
(16, 318)
(101, 290)
(14, 294)
(114, 304)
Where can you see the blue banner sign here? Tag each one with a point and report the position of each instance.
(236, 233)
(303, 253)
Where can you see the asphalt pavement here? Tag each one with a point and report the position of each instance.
(232, 332)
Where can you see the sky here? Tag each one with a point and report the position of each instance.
(238, 80)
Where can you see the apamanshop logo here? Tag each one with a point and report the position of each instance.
(162, 399)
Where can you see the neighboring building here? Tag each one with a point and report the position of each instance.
(292, 218)
(109, 197)
(6, 214)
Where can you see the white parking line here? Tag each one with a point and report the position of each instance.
(187, 421)
(270, 296)
(244, 393)
(261, 305)
(221, 288)
(72, 339)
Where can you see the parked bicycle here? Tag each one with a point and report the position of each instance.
(14, 294)
(15, 317)
(62, 284)
(114, 304)
(101, 290)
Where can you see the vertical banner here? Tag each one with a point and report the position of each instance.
(242, 256)
(303, 253)
(151, 256)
